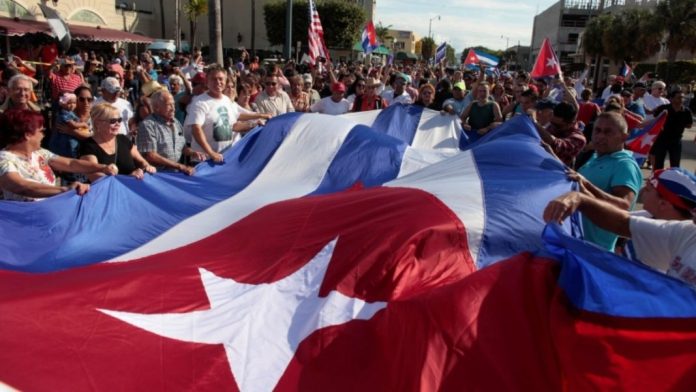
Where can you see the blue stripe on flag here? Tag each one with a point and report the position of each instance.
(602, 282)
(400, 121)
(519, 177)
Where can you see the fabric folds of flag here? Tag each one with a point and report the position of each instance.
(369, 38)
(315, 35)
(547, 64)
(58, 26)
(318, 248)
(625, 71)
(640, 141)
(441, 52)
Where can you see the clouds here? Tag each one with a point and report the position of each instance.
(464, 22)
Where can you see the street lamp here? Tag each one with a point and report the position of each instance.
(507, 41)
(430, 25)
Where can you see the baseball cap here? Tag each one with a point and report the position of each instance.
(199, 78)
(111, 85)
(675, 185)
(338, 87)
(307, 78)
(150, 87)
(639, 85)
(460, 85)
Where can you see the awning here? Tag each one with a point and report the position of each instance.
(380, 50)
(88, 33)
(15, 27)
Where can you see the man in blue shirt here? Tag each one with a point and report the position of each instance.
(612, 170)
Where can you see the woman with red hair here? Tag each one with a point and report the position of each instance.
(26, 169)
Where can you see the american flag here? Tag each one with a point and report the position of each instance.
(317, 47)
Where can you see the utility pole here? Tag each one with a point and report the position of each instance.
(287, 50)
(177, 25)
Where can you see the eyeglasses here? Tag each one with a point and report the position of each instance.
(85, 99)
(113, 121)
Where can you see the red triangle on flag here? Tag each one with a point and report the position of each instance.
(546, 63)
(471, 58)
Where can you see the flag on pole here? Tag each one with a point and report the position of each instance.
(58, 26)
(547, 64)
(441, 52)
(476, 57)
(640, 141)
(369, 38)
(315, 35)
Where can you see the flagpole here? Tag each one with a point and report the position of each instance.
(288, 31)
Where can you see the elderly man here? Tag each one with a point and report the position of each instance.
(666, 245)
(215, 122)
(612, 173)
(161, 139)
(20, 88)
(110, 91)
(655, 99)
(273, 100)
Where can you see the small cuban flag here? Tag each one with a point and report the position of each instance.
(369, 38)
(640, 141)
(441, 52)
(625, 71)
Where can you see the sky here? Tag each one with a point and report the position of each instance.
(464, 23)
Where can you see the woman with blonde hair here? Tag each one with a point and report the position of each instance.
(107, 146)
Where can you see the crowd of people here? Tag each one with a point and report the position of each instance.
(139, 115)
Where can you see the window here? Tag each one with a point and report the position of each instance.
(87, 16)
(573, 38)
(13, 9)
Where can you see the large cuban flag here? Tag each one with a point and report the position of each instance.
(326, 253)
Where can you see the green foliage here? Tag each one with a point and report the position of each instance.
(427, 47)
(193, 9)
(681, 71)
(593, 36)
(342, 22)
(678, 19)
(450, 54)
(630, 35)
(382, 33)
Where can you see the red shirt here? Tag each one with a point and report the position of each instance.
(588, 111)
(64, 84)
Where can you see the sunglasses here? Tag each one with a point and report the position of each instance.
(113, 121)
(271, 83)
(85, 99)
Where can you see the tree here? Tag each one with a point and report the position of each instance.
(450, 54)
(427, 47)
(215, 31)
(630, 35)
(194, 9)
(678, 20)
(593, 36)
(342, 22)
(382, 33)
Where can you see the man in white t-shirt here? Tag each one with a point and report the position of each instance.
(655, 99)
(335, 103)
(666, 245)
(110, 90)
(398, 92)
(214, 119)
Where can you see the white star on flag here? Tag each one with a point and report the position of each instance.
(550, 62)
(647, 140)
(260, 326)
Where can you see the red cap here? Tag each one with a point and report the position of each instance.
(338, 87)
(199, 78)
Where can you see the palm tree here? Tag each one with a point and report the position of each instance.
(382, 33)
(215, 29)
(678, 19)
(193, 9)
